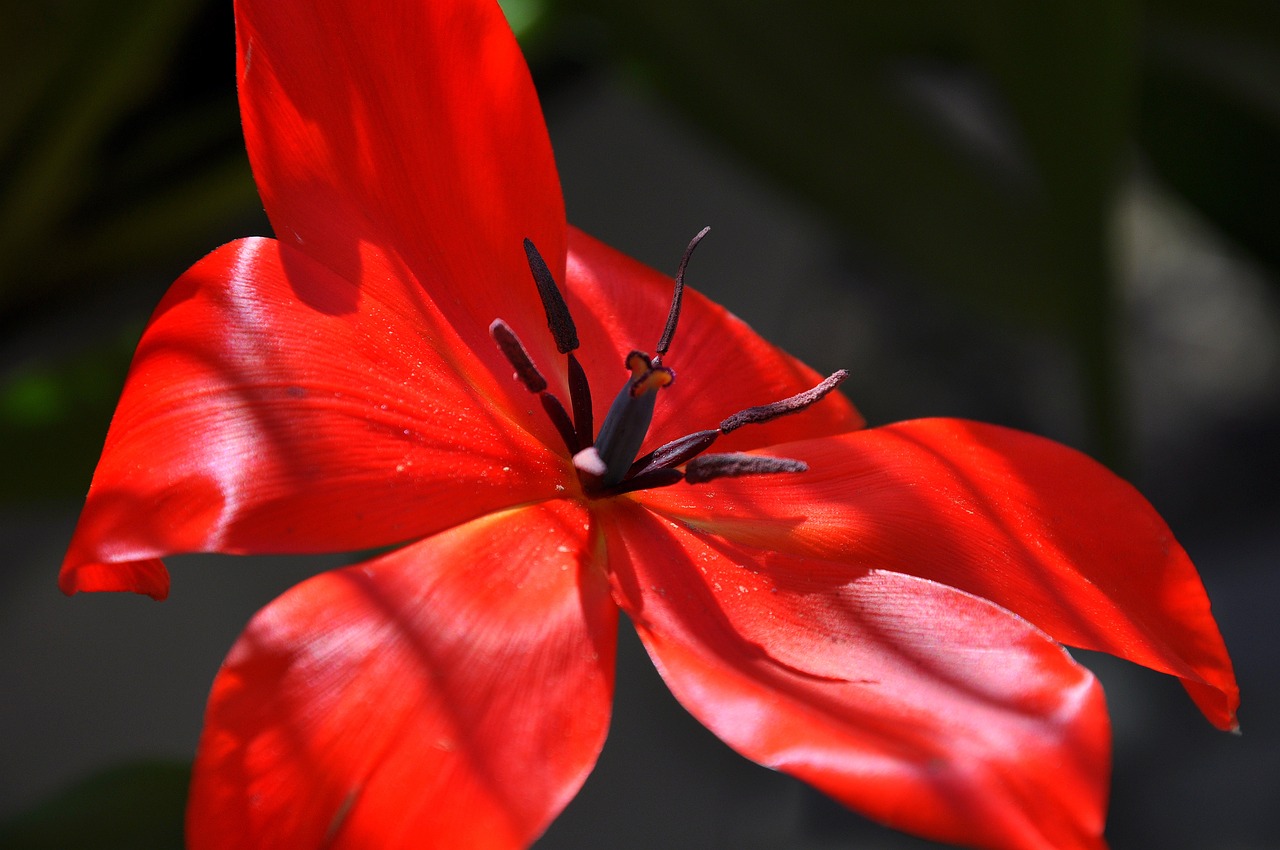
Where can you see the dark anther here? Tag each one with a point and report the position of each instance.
(558, 318)
(795, 404)
(673, 453)
(514, 351)
(580, 398)
(673, 316)
(528, 375)
(709, 467)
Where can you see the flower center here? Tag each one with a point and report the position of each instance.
(607, 464)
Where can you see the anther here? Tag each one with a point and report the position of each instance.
(709, 467)
(673, 453)
(512, 349)
(688, 448)
(795, 404)
(673, 316)
(528, 375)
(558, 319)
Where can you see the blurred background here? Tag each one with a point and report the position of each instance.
(1059, 217)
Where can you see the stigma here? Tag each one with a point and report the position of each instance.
(607, 462)
(627, 423)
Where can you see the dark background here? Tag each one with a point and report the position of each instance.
(1065, 219)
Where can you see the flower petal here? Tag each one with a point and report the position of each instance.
(1030, 524)
(252, 422)
(722, 366)
(921, 706)
(454, 693)
(407, 131)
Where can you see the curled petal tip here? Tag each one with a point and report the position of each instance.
(148, 578)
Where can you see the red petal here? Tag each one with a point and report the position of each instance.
(410, 131)
(1030, 524)
(722, 366)
(254, 422)
(452, 694)
(925, 708)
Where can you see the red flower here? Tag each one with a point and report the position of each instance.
(885, 626)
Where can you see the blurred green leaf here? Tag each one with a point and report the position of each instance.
(53, 418)
(111, 57)
(134, 807)
(523, 15)
(82, 155)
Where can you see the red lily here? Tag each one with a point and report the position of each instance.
(884, 626)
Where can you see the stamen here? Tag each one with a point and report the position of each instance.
(795, 404)
(528, 375)
(607, 466)
(580, 398)
(673, 453)
(709, 467)
(648, 481)
(560, 418)
(512, 349)
(558, 318)
(674, 315)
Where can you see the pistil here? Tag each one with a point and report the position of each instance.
(630, 415)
